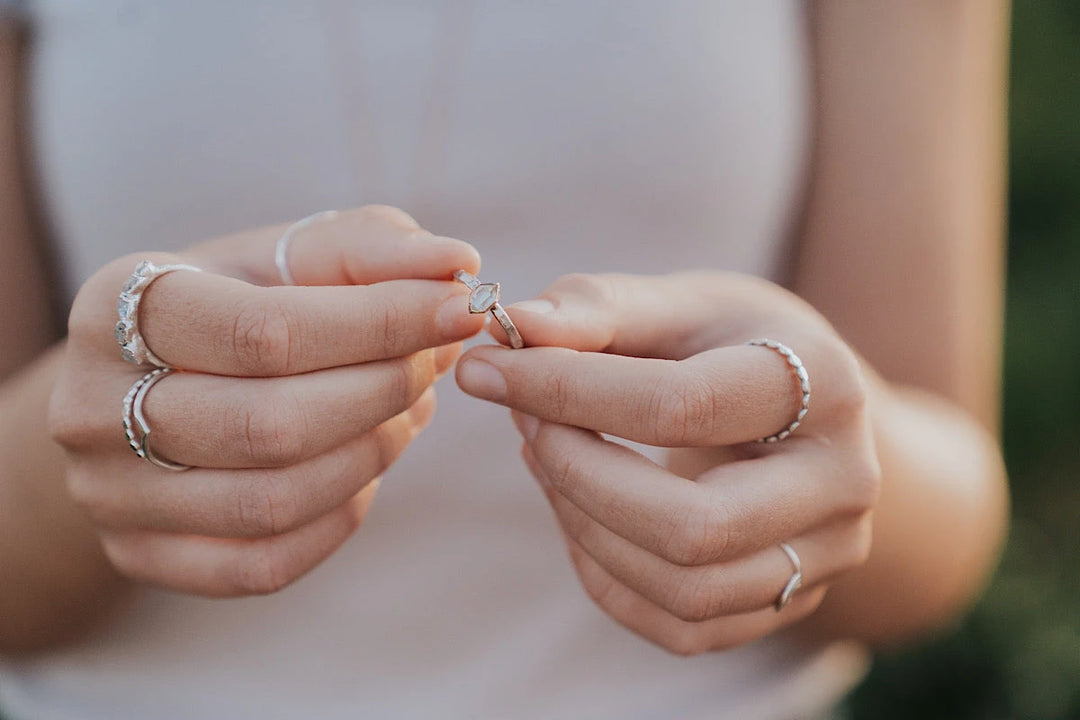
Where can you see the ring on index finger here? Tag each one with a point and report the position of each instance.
(132, 345)
(485, 298)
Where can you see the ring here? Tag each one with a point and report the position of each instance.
(485, 298)
(804, 384)
(794, 582)
(132, 346)
(133, 415)
(281, 250)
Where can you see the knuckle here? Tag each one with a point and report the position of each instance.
(556, 395)
(682, 409)
(259, 573)
(388, 215)
(697, 536)
(686, 642)
(387, 322)
(863, 540)
(696, 599)
(262, 337)
(271, 434)
(563, 467)
(864, 480)
(848, 397)
(85, 492)
(599, 589)
(69, 415)
(388, 445)
(262, 508)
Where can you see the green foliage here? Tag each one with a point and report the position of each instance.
(1018, 655)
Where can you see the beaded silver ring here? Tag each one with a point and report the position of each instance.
(804, 384)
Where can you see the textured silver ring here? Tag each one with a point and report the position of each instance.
(804, 385)
(485, 298)
(132, 345)
(794, 582)
(281, 250)
(134, 418)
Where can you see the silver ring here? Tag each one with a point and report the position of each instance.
(281, 250)
(804, 384)
(133, 416)
(794, 582)
(485, 298)
(132, 346)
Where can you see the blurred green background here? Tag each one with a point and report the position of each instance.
(1018, 655)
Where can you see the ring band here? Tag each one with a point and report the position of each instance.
(804, 384)
(794, 582)
(485, 298)
(133, 416)
(132, 345)
(281, 250)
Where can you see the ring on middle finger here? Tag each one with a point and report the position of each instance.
(485, 298)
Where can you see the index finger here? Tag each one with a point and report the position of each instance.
(216, 324)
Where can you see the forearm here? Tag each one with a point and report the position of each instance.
(938, 527)
(56, 581)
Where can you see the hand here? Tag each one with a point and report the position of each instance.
(689, 561)
(292, 402)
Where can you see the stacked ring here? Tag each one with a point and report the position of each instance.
(132, 346)
(794, 582)
(133, 416)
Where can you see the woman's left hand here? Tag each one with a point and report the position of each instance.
(692, 563)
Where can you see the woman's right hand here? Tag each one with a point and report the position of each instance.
(291, 403)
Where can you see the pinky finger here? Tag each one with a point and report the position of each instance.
(228, 567)
(680, 637)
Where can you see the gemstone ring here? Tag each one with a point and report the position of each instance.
(485, 298)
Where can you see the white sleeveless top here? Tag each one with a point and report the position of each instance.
(557, 137)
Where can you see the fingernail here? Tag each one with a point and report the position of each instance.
(481, 380)
(539, 306)
(527, 424)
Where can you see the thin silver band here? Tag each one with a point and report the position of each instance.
(281, 250)
(132, 345)
(133, 416)
(794, 582)
(804, 384)
(485, 298)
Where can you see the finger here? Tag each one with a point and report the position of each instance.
(729, 512)
(217, 567)
(215, 324)
(703, 592)
(719, 397)
(652, 622)
(350, 247)
(671, 316)
(212, 421)
(244, 503)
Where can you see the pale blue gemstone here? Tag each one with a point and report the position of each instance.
(484, 297)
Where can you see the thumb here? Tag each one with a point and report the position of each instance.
(360, 246)
(670, 317)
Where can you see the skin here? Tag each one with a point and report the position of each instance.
(893, 303)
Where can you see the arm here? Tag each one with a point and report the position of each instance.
(892, 488)
(55, 578)
(902, 251)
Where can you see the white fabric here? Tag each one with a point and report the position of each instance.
(557, 137)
